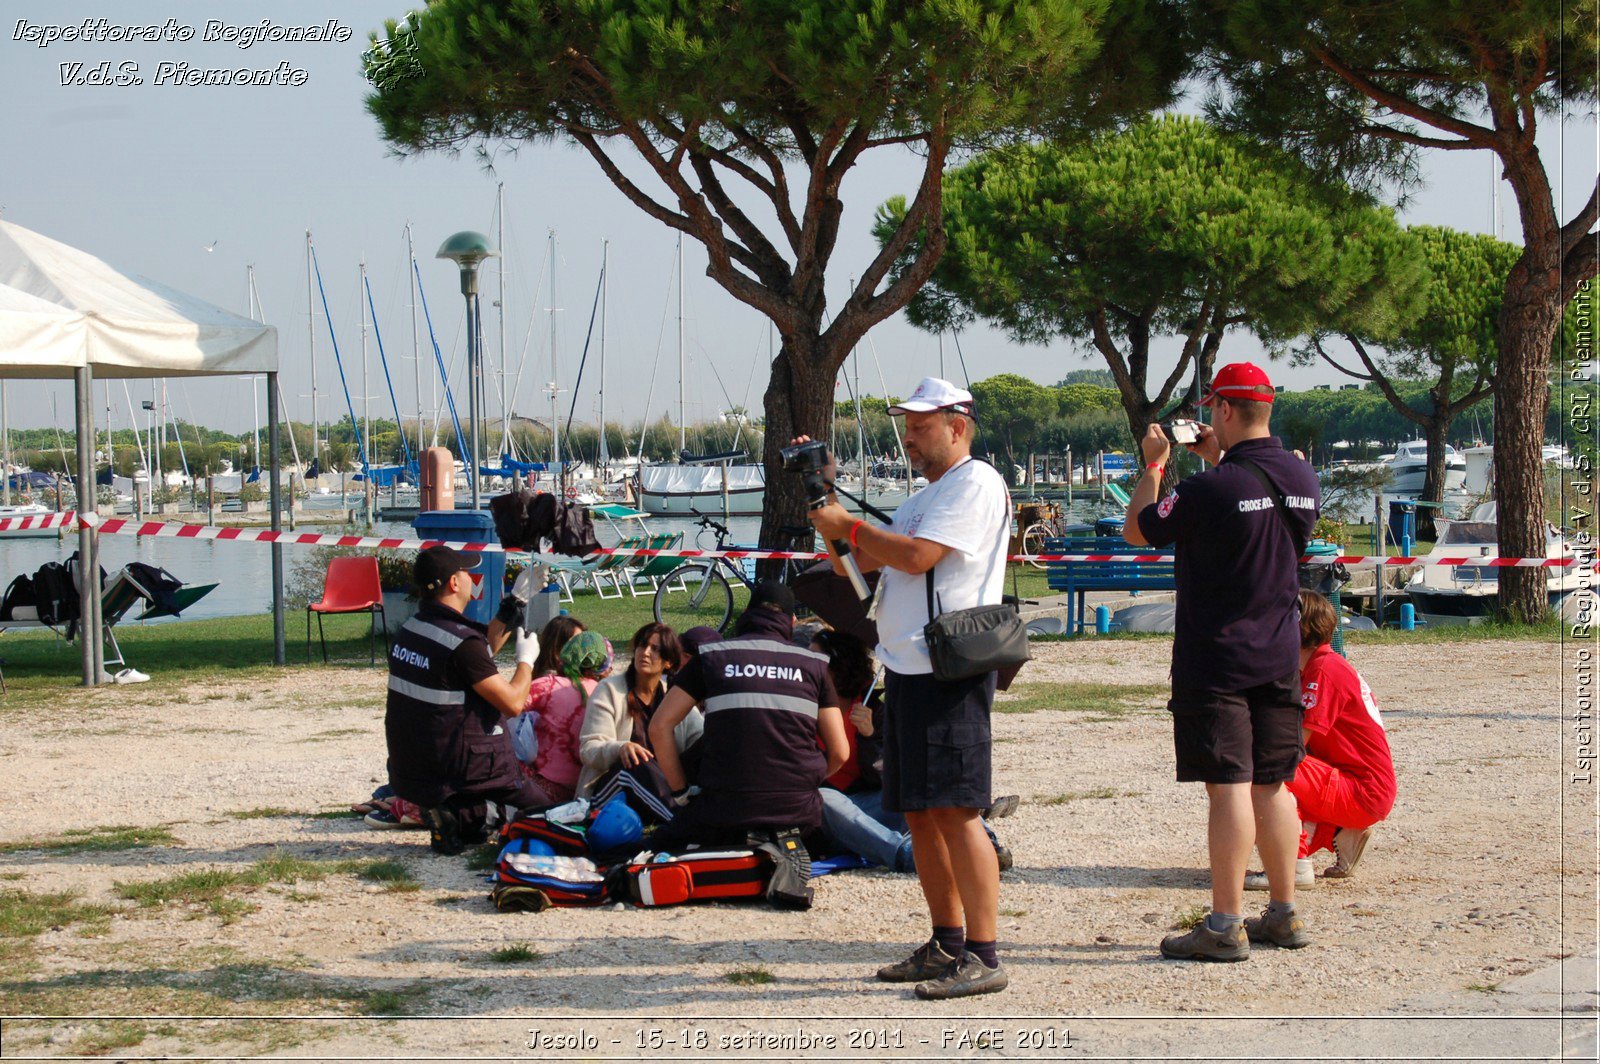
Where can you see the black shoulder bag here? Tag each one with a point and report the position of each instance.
(974, 641)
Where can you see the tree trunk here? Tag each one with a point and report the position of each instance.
(798, 402)
(1433, 430)
(1529, 316)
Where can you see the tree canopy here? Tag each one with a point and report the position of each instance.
(1171, 227)
(748, 117)
(1357, 89)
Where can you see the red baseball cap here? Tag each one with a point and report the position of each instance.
(1239, 380)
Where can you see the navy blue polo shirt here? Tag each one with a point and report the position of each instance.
(1238, 617)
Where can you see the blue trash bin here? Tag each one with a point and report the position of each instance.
(468, 526)
(1402, 522)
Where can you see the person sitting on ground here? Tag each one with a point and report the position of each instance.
(767, 703)
(555, 634)
(557, 705)
(1346, 782)
(449, 751)
(616, 725)
(853, 817)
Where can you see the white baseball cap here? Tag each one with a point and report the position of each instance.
(936, 394)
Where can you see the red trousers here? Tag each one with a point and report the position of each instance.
(1329, 799)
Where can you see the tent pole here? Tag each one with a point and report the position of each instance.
(88, 574)
(275, 495)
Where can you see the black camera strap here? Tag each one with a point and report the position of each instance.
(886, 518)
(1277, 500)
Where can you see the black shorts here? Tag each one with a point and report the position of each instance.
(1249, 736)
(936, 742)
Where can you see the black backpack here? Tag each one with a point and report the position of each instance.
(55, 594)
(20, 593)
(158, 582)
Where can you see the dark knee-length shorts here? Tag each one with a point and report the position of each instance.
(1249, 736)
(936, 744)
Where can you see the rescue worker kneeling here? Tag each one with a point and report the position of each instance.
(766, 703)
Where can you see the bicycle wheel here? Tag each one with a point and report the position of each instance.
(692, 595)
(1032, 542)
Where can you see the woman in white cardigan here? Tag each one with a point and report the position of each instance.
(616, 724)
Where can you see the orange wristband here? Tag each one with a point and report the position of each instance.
(853, 530)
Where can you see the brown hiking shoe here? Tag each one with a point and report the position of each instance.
(1348, 846)
(1204, 944)
(928, 962)
(1286, 931)
(964, 978)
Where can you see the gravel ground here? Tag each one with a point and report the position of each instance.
(1484, 873)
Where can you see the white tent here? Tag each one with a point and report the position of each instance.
(66, 314)
(62, 309)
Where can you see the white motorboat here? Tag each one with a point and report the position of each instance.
(683, 490)
(1465, 594)
(1408, 468)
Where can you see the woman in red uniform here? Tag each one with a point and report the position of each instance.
(1346, 783)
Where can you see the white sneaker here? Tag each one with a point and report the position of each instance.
(1348, 846)
(129, 676)
(1304, 876)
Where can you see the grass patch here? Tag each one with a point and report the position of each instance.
(749, 977)
(265, 813)
(1080, 796)
(1483, 988)
(1108, 701)
(396, 1002)
(1190, 918)
(392, 875)
(1547, 631)
(212, 890)
(337, 733)
(24, 914)
(94, 840)
(520, 953)
(333, 814)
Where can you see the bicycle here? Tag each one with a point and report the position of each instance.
(1046, 524)
(698, 592)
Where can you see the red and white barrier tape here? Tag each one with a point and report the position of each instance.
(160, 529)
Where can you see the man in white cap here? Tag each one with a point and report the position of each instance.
(947, 543)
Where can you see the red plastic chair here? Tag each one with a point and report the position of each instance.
(351, 586)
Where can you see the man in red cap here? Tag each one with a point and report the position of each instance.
(1238, 531)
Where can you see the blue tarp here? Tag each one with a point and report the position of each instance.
(383, 476)
(27, 481)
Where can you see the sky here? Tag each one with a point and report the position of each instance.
(195, 185)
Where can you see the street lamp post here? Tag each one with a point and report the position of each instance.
(467, 249)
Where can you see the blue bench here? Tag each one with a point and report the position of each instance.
(1077, 579)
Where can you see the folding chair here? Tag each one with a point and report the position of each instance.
(615, 568)
(352, 586)
(659, 566)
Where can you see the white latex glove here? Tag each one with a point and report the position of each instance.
(527, 647)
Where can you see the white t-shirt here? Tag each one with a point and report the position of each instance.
(968, 510)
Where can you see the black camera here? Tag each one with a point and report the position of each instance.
(811, 460)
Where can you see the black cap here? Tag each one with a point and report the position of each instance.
(773, 593)
(439, 563)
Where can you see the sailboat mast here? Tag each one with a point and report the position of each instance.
(555, 426)
(683, 444)
(311, 348)
(605, 257)
(366, 391)
(416, 350)
(500, 306)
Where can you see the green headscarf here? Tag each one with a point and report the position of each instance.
(586, 654)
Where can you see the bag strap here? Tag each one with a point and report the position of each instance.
(1277, 501)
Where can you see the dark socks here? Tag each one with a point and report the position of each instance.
(950, 939)
(984, 951)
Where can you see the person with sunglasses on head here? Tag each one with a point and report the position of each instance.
(615, 733)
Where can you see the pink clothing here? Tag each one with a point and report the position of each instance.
(560, 711)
